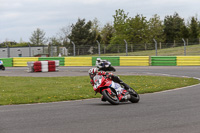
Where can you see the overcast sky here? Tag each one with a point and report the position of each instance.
(19, 18)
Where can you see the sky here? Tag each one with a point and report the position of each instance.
(20, 18)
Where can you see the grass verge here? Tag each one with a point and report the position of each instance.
(22, 90)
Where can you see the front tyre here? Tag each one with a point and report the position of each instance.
(135, 98)
(113, 99)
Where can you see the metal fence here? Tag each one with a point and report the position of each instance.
(146, 49)
(154, 48)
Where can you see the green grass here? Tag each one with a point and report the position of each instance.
(22, 90)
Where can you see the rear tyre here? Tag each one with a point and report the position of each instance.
(111, 68)
(3, 68)
(113, 99)
(135, 98)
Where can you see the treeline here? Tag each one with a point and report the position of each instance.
(135, 30)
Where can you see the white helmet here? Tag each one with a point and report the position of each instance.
(98, 59)
(92, 72)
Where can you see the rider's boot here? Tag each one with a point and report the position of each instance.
(103, 99)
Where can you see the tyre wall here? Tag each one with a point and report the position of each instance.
(7, 62)
(115, 60)
(134, 61)
(188, 60)
(163, 61)
(22, 61)
(78, 61)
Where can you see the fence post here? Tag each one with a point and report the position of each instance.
(51, 49)
(74, 48)
(99, 47)
(30, 50)
(126, 47)
(155, 46)
(8, 50)
(184, 47)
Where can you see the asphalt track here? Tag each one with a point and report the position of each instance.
(175, 111)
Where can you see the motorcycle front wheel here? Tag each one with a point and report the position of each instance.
(135, 98)
(113, 99)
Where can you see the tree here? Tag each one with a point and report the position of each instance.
(63, 35)
(172, 28)
(38, 37)
(107, 33)
(96, 28)
(83, 36)
(193, 29)
(156, 29)
(184, 32)
(137, 29)
(55, 41)
(120, 26)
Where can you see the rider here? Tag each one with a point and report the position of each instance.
(1, 65)
(93, 71)
(1, 62)
(99, 63)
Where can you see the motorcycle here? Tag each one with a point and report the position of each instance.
(1, 65)
(106, 66)
(113, 92)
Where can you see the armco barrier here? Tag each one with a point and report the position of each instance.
(7, 62)
(163, 60)
(113, 60)
(22, 61)
(188, 60)
(134, 61)
(61, 59)
(78, 61)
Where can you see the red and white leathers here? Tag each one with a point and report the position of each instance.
(116, 79)
(109, 75)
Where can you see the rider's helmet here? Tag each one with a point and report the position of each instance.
(92, 72)
(1, 62)
(99, 60)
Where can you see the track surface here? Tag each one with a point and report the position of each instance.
(176, 111)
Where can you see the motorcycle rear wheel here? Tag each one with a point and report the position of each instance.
(111, 99)
(111, 68)
(2, 67)
(135, 98)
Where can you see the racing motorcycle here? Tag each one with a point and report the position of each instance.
(1, 65)
(113, 92)
(106, 66)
